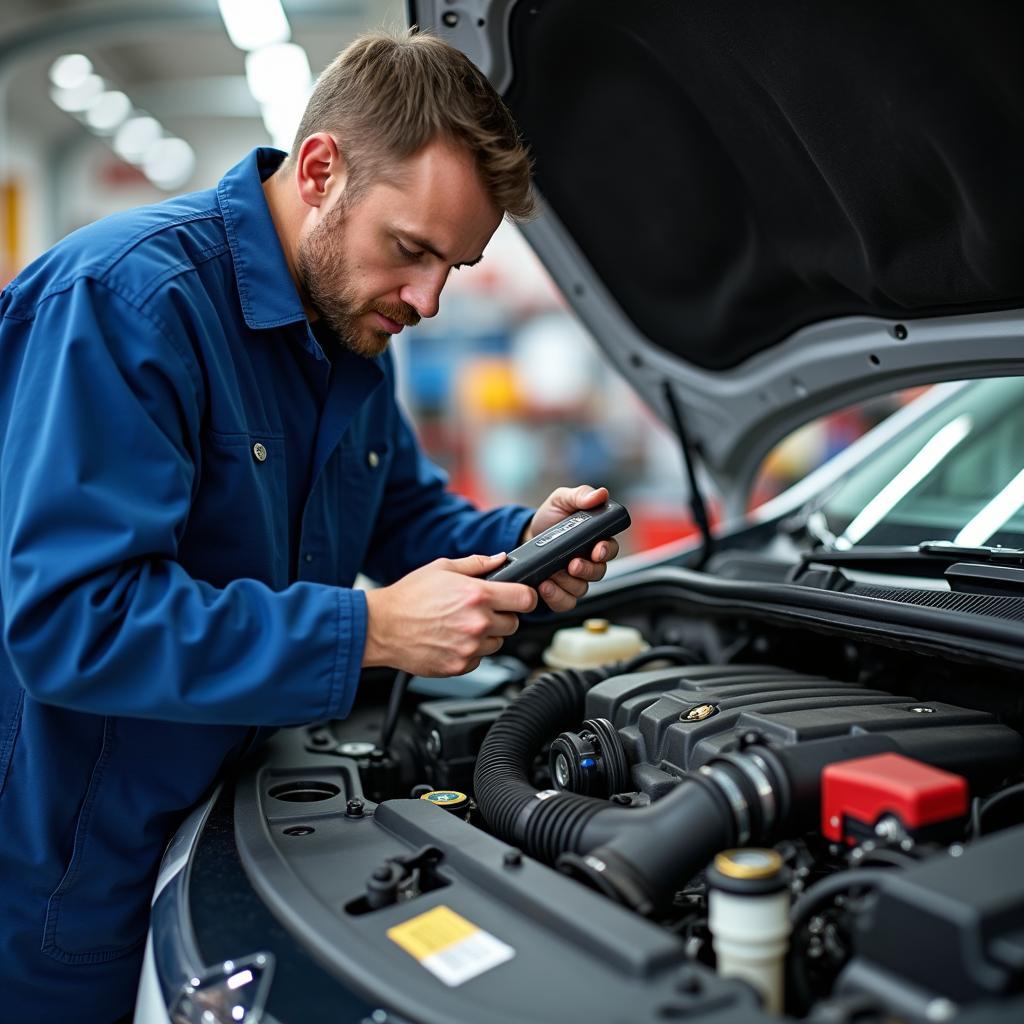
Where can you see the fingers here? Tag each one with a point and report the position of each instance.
(570, 584)
(474, 565)
(563, 501)
(569, 499)
(492, 645)
(503, 624)
(510, 597)
(556, 597)
(591, 572)
(587, 496)
(487, 646)
(605, 550)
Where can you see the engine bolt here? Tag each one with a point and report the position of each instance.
(889, 827)
(354, 809)
(923, 711)
(751, 738)
(355, 749)
(513, 858)
(698, 714)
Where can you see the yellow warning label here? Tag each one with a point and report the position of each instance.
(432, 932)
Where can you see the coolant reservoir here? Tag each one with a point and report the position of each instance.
(596, 642)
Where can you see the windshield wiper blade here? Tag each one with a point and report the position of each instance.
(930, 558)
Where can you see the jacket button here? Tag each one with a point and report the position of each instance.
(259, 453)
(373, 459)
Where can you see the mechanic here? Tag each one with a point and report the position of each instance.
(201, 447)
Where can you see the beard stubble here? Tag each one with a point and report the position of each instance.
(326, 283)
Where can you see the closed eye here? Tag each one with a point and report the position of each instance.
(407, 253)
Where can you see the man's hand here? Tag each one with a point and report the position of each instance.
(565, 588)
(440, 620)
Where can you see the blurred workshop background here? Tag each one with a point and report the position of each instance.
(109, 104)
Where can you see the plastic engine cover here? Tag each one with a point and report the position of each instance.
(673, 720)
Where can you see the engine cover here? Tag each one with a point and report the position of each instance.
(673, 720)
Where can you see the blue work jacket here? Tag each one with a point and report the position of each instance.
(188, 487)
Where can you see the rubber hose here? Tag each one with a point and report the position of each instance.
(645, 844)
(548, 706)
(504, 794)
(642, 857)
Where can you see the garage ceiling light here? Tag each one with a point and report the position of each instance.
(107, 111)
(70, 71)
(254, 23)
(139, 139)
(169, 163)
(78, 97)
(281, 119)
(135, 137)
(274, 72)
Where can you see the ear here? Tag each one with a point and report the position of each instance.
(320, 169)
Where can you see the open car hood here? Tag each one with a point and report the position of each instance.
(774, 209)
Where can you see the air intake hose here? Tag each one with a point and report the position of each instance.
(638, 856)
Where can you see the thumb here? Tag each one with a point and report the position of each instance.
(586, 496)
(476, 565)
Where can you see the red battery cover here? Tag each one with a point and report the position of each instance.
(867, 788)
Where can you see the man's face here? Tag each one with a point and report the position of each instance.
(370, 267)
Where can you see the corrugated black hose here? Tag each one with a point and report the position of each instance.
(636, 855)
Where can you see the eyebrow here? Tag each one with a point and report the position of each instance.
(422, 243)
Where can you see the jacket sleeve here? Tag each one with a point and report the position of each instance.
(421, 520)
(100, 406)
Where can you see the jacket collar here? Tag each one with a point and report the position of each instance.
(265, 287)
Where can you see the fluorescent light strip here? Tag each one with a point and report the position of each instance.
(135, 136)
(168, 162)
(70, 71)
(251, 24)
(992, 517)
(79, 97)
(108, 112)
(952, 434)
(278, 73)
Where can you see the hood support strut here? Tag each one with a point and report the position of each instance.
(697, 507)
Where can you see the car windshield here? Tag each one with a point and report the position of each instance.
(957, 475)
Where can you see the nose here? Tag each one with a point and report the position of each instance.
(423, 292)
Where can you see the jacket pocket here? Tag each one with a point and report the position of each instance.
(344, 506)
(102, 933)
(238, 524)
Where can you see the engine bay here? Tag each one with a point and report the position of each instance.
(737, 820)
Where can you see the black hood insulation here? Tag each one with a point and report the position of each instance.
(735, 171)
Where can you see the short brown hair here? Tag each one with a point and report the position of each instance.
(388, 94)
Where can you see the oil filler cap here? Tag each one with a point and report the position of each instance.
(449, 799)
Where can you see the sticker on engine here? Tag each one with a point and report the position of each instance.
(450, 947)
